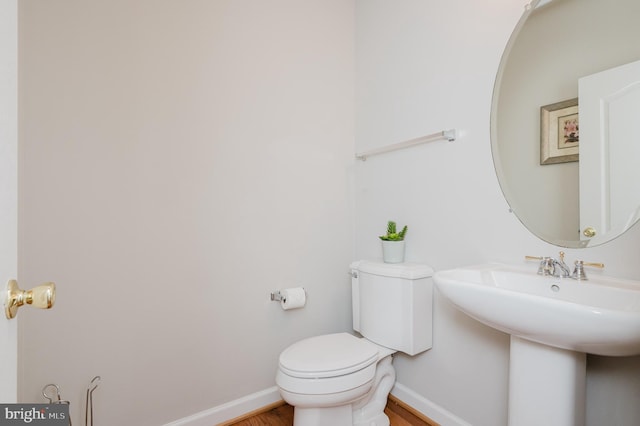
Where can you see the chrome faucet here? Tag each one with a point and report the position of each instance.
(556, 267)
(560, 269)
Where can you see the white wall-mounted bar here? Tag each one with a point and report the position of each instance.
(449, 135)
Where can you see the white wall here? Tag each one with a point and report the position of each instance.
(425, 66)
(178, 162)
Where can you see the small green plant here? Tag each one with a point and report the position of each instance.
(392, 234)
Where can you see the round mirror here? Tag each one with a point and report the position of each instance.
(564, 134)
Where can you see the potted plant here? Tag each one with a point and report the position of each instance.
(393, 244)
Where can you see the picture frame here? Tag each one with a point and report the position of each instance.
(559, 132)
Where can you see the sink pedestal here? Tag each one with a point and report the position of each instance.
(547, 385)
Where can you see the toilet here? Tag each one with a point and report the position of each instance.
(344, 380)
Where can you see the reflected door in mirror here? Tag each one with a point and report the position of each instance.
(610, 127)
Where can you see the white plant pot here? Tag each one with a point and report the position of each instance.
(393, 251)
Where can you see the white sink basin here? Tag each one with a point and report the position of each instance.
(599, 316)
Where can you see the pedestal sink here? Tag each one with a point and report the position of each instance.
(553, 323)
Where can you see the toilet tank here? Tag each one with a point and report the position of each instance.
(393, 304)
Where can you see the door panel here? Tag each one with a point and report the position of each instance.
(8, 190)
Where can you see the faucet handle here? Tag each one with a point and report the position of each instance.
(578, 272)
(546, 264)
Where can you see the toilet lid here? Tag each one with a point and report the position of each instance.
(329, 355)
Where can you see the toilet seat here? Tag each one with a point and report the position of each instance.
(327, 364)
(330, 355)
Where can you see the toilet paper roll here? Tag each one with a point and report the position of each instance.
(293, 298)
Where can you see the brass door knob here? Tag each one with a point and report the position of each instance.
(589, 232)
(43, 297)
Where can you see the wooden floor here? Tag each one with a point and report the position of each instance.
(281, 414)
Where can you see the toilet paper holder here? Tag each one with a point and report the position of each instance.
(276, 296)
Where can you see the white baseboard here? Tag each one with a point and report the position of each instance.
(255, 401)
(230, 410)
(426, 407)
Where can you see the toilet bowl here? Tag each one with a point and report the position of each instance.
(343, 380)
(333, 380)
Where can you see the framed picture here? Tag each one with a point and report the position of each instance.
(559, 132)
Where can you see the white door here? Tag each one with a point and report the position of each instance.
(8, 191)
(609, 104)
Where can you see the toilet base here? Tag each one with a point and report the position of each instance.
(342, 415)
(334, 416)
